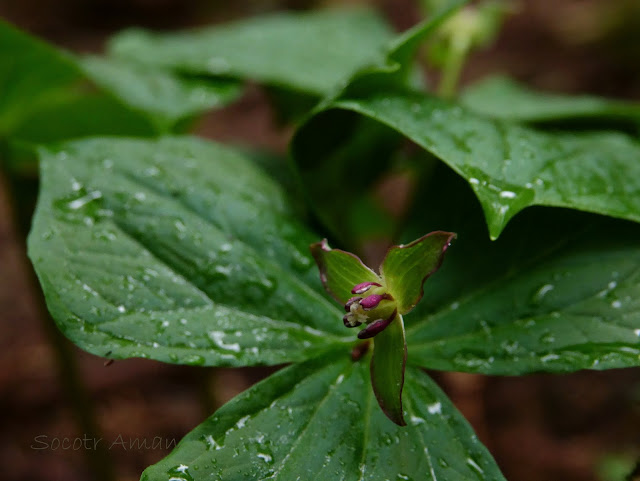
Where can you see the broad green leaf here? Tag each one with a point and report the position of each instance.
(406, 267)
(557, 292)
(32, 74)
(76, 117)
(387, 369)
(502, 98)
(509, 166)
(178, 250)
(307, 52)
(169, 97)
(49, 94)
(340, 271)
(319, 420)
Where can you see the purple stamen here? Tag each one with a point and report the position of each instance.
(363, 287)
(376, 327)
(372, 301)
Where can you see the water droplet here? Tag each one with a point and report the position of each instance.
(474, 465)
(267, 458)
(415, 420)
(549, 357)
(217, 338)
(541, 292)
(435, 408)
(507, 194)
(547, 338)
(616, 304)
(510, 346)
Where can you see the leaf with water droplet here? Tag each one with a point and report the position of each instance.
(318, 420)
(556, 292)
(551, 169)
(194, 265)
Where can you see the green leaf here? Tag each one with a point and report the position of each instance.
(502, 98)
(510, 167)
(387, 369)
(307, 52)
(178, 250)
(557, 292)
(167, 96)
(76, 117)
(318, 420)
(32, 74)
(50, 95)
(340, 271)
(406, 267)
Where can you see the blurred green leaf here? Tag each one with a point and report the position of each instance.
(502, 98)
(165, 96)
(32, 75)
(51, 95)
(306, 52)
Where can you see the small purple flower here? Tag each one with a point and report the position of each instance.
(376, 310)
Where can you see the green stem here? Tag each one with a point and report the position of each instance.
(460, 47)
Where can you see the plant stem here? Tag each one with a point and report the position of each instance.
(460, 46)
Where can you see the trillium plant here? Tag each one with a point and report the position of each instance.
(152, 243)
(380, 301)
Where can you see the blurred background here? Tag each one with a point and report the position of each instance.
(584, 426)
